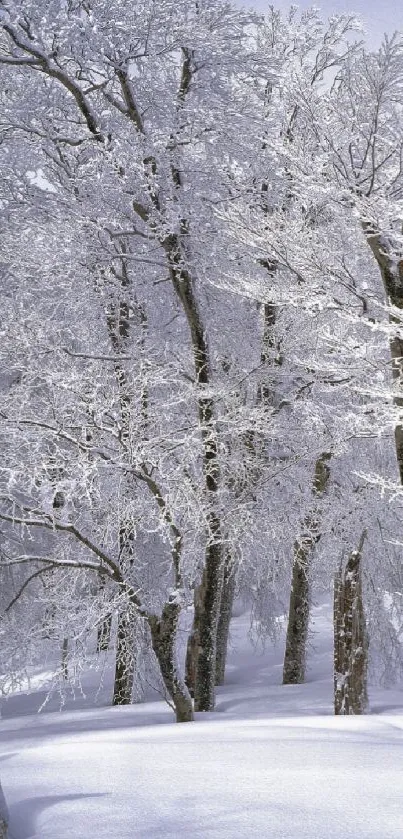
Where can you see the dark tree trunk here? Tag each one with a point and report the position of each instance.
(104, 628)
(3, 815)
(350, 639)
(227, 600)
(201, 657)
(104, 634)
(222, 620)
(391, 270)
(191, 649)
(300, 595)
(203, 641)
(163, 636)
(298, 618)
(65, 651)
(119, 325)
(271, 352)
(124, 666)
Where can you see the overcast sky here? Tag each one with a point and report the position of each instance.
(379, 16)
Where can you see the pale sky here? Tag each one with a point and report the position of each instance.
(378, 16)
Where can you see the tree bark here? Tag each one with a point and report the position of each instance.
(218, 616)
(298, 617)
(3, 815)
(227, 600)
(104, 634)
(300, 595)
(65, 651)
(203, 640)
(350, 639)
(192, 645)
(163, 636)
(207, 609)
(391, 270)
(104, 628)
(124, 665)
(270, 355)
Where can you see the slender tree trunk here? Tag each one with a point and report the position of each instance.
(207, 610)
(104, 634)
(3, 815)
(163, 636)
(192, 644)
(104, 628)
(300, 595)
(271, 353)
(227, 600)
(118, 322)
(124, 665)
(202, 645)
(391, 270)
(298, 617)
(222, 631)
(65, 650)
(350, 639)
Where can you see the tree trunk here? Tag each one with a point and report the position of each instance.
(391, 270)
(65, 651)
(223, 619)
(104, 634)
(124, 666)
(202, 643)
(191, 648)
(298, 618)
(3, 815)
(227, 600)
(350, 639)
(163, 636)
(300, 596)
(205, 623)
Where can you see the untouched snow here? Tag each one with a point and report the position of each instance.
(272, 761)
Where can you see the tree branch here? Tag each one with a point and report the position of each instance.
(51, 524)
(24, 586)
(41, 62)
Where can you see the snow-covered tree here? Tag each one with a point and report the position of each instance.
(187, 341)
(131, 125)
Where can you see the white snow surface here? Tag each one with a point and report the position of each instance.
(271, 761)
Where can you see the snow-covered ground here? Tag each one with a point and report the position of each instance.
(272, 761)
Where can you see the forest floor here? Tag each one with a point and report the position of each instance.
(271, 761)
